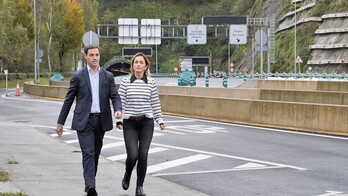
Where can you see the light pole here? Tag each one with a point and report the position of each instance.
(6, 73)
(35, 57)
(295, 36)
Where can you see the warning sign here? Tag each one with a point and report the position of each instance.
(298, 59)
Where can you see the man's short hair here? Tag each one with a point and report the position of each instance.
(85, 50)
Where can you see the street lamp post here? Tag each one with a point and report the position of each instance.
(6, 73)
(295, 36)
(295, 40)
(35, 53)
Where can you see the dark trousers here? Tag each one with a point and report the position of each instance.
(91, 143)
(137, 136)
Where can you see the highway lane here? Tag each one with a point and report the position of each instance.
(216, 158)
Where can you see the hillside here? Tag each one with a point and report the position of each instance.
(321, 38)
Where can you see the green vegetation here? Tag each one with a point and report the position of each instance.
(62, 24)
(13, 83)
(4, 176)
(12, 160)
(13, 194)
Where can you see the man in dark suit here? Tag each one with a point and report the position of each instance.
(93, 87)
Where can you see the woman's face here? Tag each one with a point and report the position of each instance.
(139, 65)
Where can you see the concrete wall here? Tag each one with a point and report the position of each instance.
(211, 92)
(304, 85)
(325, 111)
(323, 97)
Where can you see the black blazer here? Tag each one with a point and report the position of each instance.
(80, 88)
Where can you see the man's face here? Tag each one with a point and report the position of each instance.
(93, 57)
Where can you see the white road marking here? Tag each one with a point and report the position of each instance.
(329, 193)
(216, 171)
(124, 156)
(197, 128)
(269, 129)
(228, 156)
(114, 144)
(180, 121)
(250, 166)
(71, 141)
(175, 163)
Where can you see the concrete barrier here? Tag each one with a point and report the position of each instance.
(304, 85)
(242, 93)
(320, 97)
(324, 112)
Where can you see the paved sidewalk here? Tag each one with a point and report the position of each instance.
(49, 167)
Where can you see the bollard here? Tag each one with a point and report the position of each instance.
(224, 81)
(206, 80)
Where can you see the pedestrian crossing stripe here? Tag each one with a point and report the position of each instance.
(124, 156)
(175, 163)
(114, 144)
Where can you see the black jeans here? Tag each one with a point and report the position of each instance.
(138, 136)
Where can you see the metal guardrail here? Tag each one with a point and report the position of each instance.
(303, 76)
(308, 76)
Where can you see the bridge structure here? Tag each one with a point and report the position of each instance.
(128, 33)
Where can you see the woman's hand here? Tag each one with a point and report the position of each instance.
(162, 126)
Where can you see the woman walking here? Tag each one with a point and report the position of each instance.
(141, 107)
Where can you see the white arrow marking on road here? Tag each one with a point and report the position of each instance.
(250, 166)
(175, 163)
(124, 156)
(330, 193)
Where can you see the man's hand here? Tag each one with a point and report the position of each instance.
(118, 115)
(59, 130)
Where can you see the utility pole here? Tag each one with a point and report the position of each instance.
(35, 49)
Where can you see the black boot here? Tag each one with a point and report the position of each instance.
(125, 181)
(139, 191)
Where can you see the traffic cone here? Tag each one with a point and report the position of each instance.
(18, 90)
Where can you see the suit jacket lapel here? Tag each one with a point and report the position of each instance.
(102, 79)
(86, 77)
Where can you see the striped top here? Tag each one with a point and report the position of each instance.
(140, 97)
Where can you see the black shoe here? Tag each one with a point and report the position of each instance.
(91, 191)
(125, 181)
(139, 191)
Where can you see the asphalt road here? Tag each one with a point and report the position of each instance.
(216, 158)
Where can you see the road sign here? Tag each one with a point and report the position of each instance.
(224, 20)
(128, 31)
(130, 52)
(90, 38)
(196, 34)
(260, 37)
(150, 31)
(185, 63)
(299, 59)
(238, 34)
(39, 53)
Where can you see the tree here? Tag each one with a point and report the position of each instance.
(67, 27)
(13, 34)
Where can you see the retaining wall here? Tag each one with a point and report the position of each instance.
(308, 110)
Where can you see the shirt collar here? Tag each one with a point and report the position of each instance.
(89, 69)
(133, 78)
